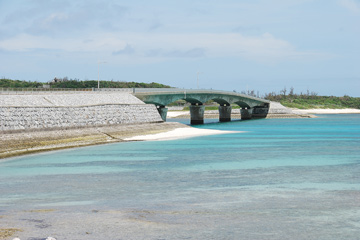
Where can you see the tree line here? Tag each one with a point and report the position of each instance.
(8, 83)
(76, 83)
(311, 99)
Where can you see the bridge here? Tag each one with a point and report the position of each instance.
(250, 107)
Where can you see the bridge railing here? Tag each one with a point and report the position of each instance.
(42, 90)
(177, 90)
(76, 90)
(23, 91)
(128, 90)
(196, 91)
(136, 90)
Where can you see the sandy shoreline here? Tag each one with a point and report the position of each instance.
(21, 143)
(178, 133)
(327, 111)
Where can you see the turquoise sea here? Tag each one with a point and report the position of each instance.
(278, 179)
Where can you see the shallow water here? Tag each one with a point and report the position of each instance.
(281, 179)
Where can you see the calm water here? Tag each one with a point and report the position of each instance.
(280, 179)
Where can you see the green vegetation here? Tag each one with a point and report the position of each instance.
(8, 83)
(75, 83)
(104, 84)
(312, 100)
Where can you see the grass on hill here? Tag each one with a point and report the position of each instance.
(305, 101)
(8, 83)
(75, 83)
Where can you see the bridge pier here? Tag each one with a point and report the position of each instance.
(224, 113)
(260, 112)
(163, 112)
(197, 114)
(246, 114)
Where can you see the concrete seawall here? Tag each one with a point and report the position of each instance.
(67, 99)
(31, 112)
(32, 123)
(30, 118)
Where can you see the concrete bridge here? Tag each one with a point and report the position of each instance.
(251, 107)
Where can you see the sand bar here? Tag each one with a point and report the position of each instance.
(173, 114)
(178, 133)
(21, 143)
(327, 111)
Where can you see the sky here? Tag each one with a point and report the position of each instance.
(234, 45)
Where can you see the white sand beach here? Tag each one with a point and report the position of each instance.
(327, 111)
(178, 133)
(173, 114)
(20, 143)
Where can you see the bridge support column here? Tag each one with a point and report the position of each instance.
(246, 114)
(260, 112)
(197, 114)
(163, 112)
(224, 113)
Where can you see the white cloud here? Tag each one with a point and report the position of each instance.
(26, 42)
(352, 5)
(127, 50)
(190, 53)
(263, 48)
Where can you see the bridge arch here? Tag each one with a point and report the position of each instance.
(221, 101)
(198, 97)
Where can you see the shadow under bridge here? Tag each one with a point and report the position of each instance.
(250, 107)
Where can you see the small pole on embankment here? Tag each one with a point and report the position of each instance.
(99, 73)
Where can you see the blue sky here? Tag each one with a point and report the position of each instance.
(261, 45)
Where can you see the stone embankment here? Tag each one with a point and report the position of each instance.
(31, 118)
(40, 122)
(57, 111)
(277, 110)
